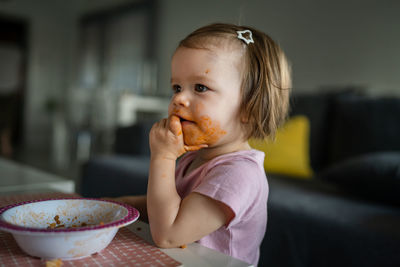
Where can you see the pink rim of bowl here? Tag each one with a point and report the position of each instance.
(133, 215)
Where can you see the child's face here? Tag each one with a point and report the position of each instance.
(206, 85)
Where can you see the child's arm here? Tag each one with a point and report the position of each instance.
(173, 221)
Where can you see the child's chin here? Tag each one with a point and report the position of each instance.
(190, 142)
(194, 143)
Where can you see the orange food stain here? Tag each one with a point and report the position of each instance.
(175, 110)
(207, 71)
(57, 219)
(207, 132)
(54, 263)
(183, 246)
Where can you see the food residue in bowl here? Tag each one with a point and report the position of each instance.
(58, 224)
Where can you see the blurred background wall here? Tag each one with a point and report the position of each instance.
(330, 44)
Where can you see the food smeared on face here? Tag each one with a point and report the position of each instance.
(196, 130)
(205, 131)
(207, 71)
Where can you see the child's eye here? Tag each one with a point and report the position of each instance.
(176, 88)
(200, 88)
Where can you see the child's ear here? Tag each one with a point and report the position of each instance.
(244, 119)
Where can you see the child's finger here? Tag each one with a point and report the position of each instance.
(194, 148)
(175, 125)
(164, 123)
(160, 124)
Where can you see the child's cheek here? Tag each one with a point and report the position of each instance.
(205, 132)
(172, 109)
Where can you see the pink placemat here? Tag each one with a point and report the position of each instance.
(126, 249)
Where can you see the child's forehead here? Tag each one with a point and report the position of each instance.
(206, 59)
(215, 51)
(215, 43)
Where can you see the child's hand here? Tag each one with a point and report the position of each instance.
(166, 139)
(176, 128)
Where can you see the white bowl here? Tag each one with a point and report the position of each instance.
(32, 225)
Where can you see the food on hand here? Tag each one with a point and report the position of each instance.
(175, 125)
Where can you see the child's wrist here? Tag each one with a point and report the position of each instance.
(163, 157)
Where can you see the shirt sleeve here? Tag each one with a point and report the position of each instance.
(235, 183)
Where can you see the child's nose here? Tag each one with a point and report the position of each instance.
(181, 100)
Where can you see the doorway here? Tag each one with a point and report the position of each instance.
(13, 66)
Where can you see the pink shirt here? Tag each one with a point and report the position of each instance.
(238, 180)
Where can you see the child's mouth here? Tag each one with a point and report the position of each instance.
(184, 121)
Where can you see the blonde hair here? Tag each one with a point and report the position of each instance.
(266, 77)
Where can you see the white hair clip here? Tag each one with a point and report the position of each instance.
(249, 39)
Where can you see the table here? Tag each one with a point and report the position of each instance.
(194, 255)
(18, 178)
(132, 246)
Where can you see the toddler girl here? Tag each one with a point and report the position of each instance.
(230, 83)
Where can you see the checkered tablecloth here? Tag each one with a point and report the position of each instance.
(126, 249)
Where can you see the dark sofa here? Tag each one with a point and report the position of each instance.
(348, 214)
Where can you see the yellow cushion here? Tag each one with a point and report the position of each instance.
(289, 153)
